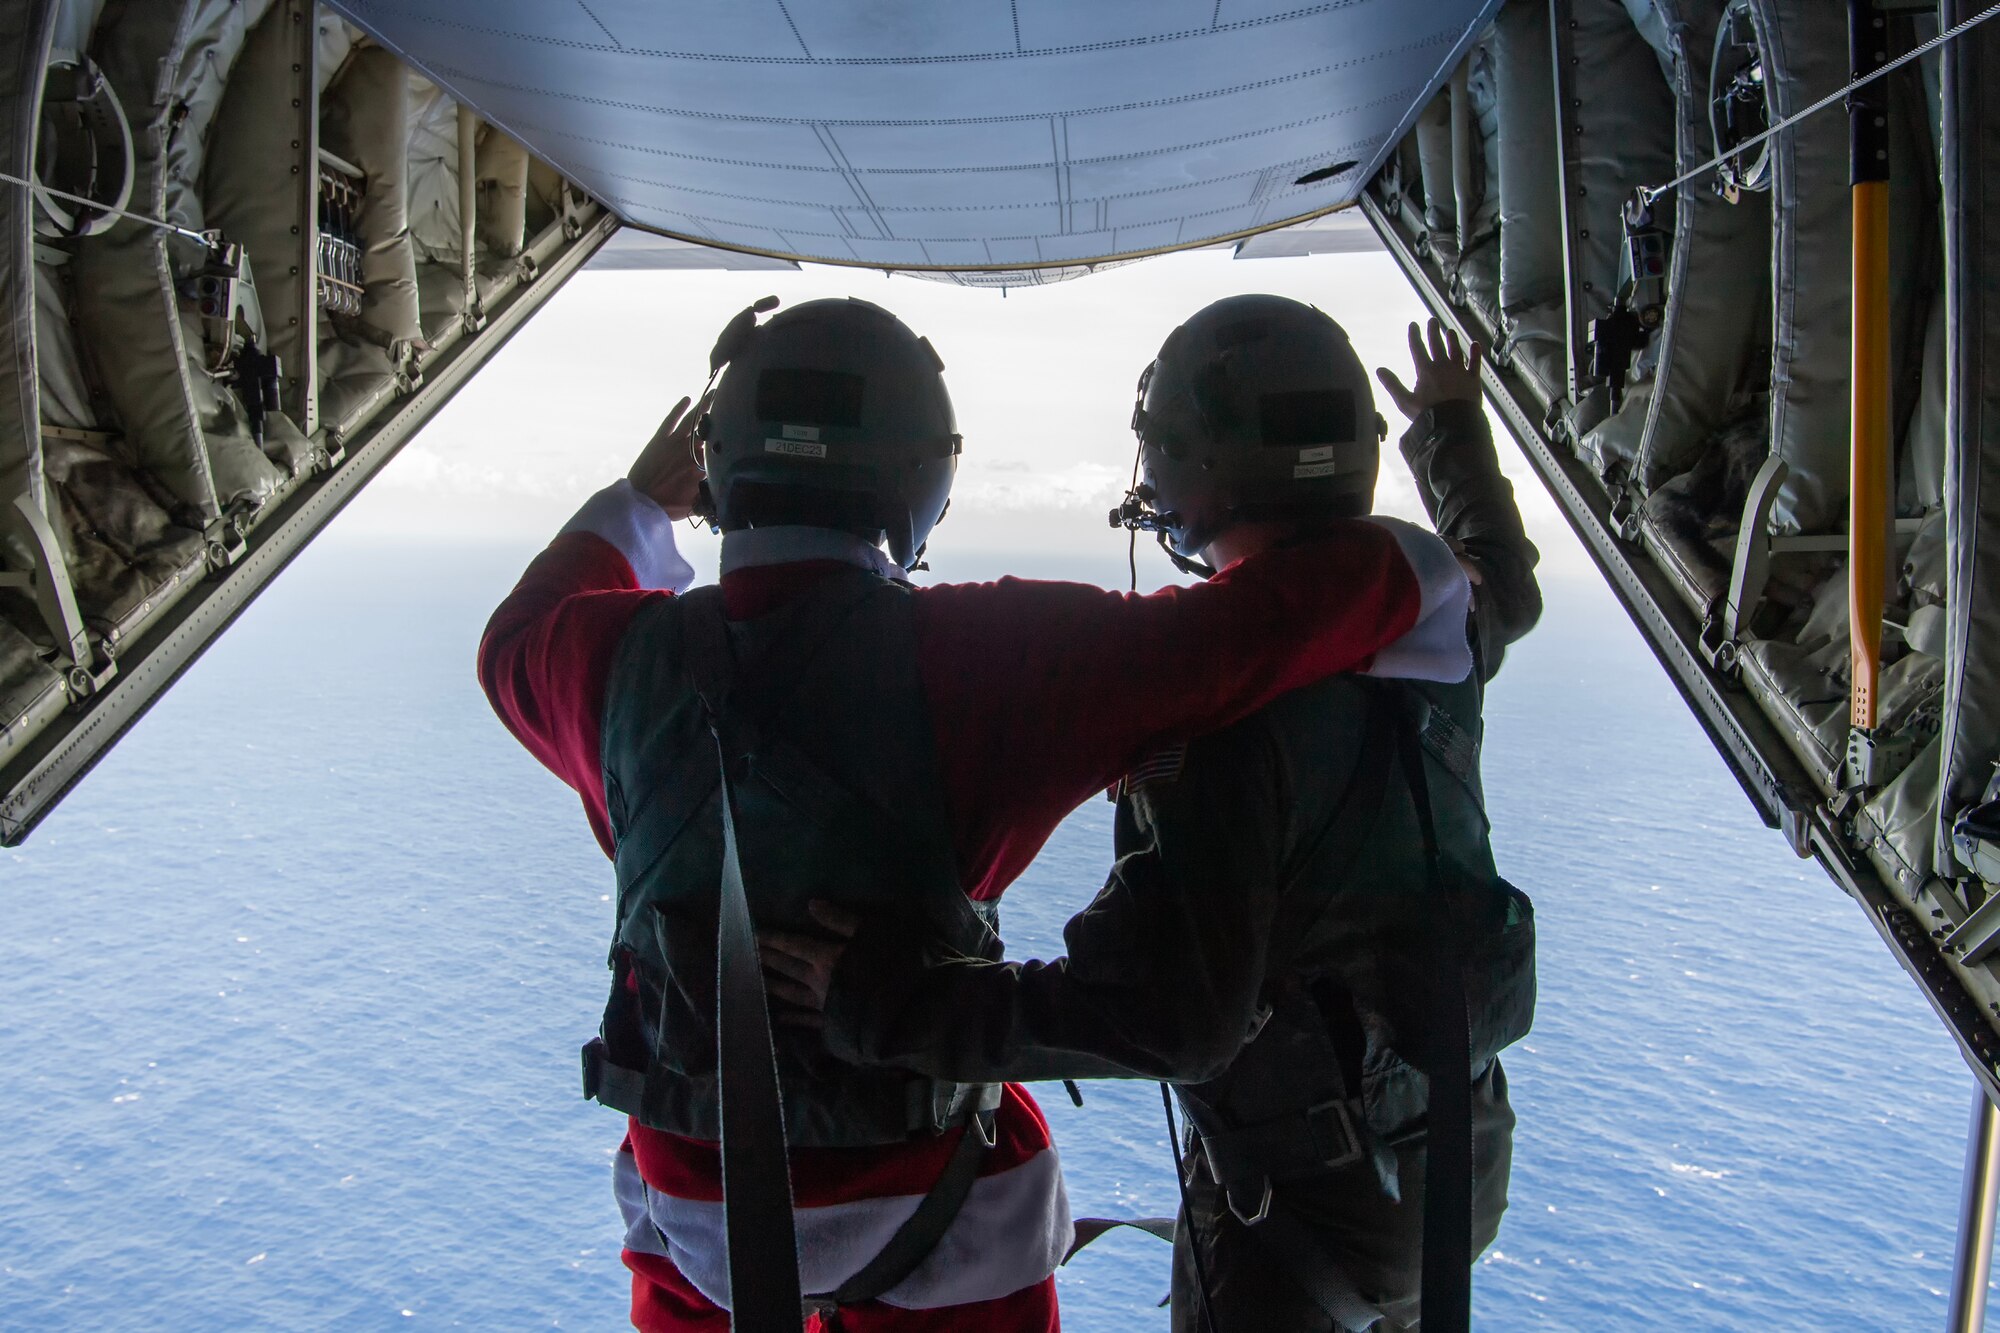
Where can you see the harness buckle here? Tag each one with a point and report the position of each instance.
(1263, 1205)
(1345, 1144)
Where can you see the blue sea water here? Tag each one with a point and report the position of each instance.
(291, 990)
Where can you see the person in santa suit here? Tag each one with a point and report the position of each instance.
(877, 745)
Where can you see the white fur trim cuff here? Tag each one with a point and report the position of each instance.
(628, 518)
(1435, 648)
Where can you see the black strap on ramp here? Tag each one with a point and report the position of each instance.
(1089, 1229)
(756, 1172)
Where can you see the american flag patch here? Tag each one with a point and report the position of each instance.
(1163, 765)
(1449, 743)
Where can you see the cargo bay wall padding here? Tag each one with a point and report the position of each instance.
(433, 173)
(1920, 481)
(25, 679)
(1433, 135)
(334, 39)
(125, 294)
(265, 207)
(1916, 291)
(1804, 48)
(216, 30)
(1617, 118)
(26, 29)
(1971, 105)
(1483, 91)
(63, 380)
(1478, 266)
(75, 20)
(218, 34)
(1657, 20)
(356, 378)
(121, 543)
(503, 193)
(1895, 826)
(1718, 274)
(365, 119)
(545, 190)
(1802, 679)
(1530, 208)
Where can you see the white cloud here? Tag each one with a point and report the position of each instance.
(1015, 486)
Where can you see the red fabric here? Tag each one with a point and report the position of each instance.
(692, 1168)
(664, 1302)
(1040, 695)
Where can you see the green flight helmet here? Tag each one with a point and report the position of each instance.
(1256, 408)
(831, 414)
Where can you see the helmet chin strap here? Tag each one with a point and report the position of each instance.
(1201, 569)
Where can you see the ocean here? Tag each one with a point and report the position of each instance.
(291, 990)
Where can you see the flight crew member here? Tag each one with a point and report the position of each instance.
(1267, 934)
(947, 730)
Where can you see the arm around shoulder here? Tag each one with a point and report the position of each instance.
(1164, 970)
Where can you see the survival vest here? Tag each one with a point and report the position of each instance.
(819, 713)
(1334, 1068)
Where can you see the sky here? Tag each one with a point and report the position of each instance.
(1042, 380)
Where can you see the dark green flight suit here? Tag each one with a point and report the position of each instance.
(1257, 944)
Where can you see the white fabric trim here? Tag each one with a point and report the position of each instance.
(1012, 1233)
(1435, 648)
(628, 518)
(752, 547)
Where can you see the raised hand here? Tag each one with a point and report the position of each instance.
(669, 468)
(1445, 371)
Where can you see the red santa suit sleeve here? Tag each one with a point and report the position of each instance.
(547, 650)
(1044, 693)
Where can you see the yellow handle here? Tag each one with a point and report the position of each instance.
(1869, 483)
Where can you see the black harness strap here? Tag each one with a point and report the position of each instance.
(756, 1172)
(1089, 1229)
(1447, 1280)
(764, 1287)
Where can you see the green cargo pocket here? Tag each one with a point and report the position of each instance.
(1500, 979)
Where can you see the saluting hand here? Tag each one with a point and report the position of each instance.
(798, 969)
(1445, 371)
(669, 468)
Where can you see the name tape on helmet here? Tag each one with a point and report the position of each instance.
(799, 432)
(795, 448)
(1319, 455)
